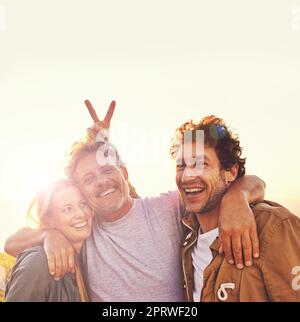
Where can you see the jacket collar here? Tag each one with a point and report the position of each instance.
(191, 222)
(214, 247)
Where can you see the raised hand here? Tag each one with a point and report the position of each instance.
(103, 127)
(105, 123)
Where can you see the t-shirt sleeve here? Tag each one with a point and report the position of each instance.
(169, 202)
(177, 202)
(281, 262)
(30, 278)
(167, 211)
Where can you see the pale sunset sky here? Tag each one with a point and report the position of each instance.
(164, 62)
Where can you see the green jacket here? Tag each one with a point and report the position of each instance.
(31, 282)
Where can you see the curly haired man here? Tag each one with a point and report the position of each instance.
(203, 176)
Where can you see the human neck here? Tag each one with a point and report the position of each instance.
(77, 246)
(118, 214)
(209, 220)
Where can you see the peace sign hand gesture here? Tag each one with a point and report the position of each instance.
(99, 125)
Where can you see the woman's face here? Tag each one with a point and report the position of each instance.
(70, 214)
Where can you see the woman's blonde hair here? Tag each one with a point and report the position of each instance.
(40, 207)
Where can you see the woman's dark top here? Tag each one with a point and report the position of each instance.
(31, 281)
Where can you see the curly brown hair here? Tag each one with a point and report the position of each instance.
(216, 135)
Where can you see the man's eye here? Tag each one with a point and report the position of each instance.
(107, 171)
(180, 163)
(180, 166)
(88, 180)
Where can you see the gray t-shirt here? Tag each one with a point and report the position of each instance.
(137, 258)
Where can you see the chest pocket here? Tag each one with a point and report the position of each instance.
(222, 291)
(227, 285)
(221, 282)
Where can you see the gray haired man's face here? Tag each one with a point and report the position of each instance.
(104, 185)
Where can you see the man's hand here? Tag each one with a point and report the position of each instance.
(60, 254)
(237, 229)
(237, 226)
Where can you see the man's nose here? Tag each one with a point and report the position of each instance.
(100, 181)
(190, 173)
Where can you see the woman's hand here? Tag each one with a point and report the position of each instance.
(100, 131)
(100, 127)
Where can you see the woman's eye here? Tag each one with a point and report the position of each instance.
(67, 210)
(82, 204)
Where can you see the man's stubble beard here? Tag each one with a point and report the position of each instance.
(104, 213)
(214, 201)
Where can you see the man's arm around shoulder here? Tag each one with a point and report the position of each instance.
(59, 251)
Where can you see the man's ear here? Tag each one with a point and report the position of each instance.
(232, 173)
(124, 171)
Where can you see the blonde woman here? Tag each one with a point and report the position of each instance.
(60, 207)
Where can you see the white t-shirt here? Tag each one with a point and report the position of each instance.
(138, 257)
(202, 257)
